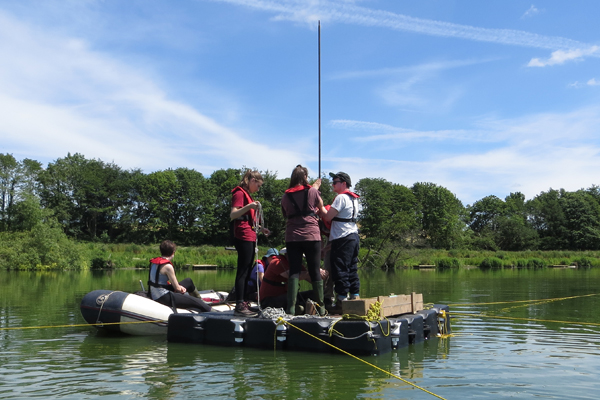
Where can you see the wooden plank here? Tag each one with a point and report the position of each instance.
(358, 306)
(390, 305)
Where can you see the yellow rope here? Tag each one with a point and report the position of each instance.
(525, 301)
(524, 319)
(77, 325)
(373, 315)
(282, 321)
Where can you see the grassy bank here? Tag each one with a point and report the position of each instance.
(46, 247)
(408, 258)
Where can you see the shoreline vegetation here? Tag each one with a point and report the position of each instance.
(68, 254)
(79, 213)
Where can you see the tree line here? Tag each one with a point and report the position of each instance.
(92, 200)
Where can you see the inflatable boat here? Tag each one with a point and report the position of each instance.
(135, 313)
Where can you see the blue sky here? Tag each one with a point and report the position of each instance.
(481, 97)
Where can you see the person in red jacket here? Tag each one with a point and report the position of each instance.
(274, 288)
(243, 215)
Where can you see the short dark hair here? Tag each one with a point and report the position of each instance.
(167, 248)
(342, 176)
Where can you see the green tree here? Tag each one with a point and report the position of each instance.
(17, 184)
(222, 183)
(440, 215)
(269, 196)
(548, 219)
(157, 203)
(86, 196)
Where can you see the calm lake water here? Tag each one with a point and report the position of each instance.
(548, 350)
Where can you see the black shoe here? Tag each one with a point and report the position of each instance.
(251, 308)
(241, 310)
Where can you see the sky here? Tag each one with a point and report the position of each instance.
(480, 97)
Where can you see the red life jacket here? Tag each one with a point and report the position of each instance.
(249, 200)
(325, 226)
(159, 261)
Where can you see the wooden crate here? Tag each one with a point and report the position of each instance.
(391, 305)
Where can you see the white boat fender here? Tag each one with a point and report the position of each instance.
(281, 332)
(395, 333)
(238, 330)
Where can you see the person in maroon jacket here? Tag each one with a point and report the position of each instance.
(300, 205)
(243, 215)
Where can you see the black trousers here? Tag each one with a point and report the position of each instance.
(245, 261)
(344, 264)
(183, 300)
(312, 251)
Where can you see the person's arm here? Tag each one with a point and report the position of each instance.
(237, 212)
(328, 215)
(317, 184)
(169, 271)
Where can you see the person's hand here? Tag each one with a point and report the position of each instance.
(324, 274)
(254, 205)
(266, 231)
(317, 184)
(182, 290)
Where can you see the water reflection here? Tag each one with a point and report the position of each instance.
(488, 357)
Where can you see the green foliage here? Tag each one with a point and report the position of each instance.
(440, 215)
(583, 262)
(451, 262)
(99, 202)
(389, 213)
(491, 263)
(43, 247)
(536, 263)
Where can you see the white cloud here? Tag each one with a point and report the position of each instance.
(530, 155)
(308, 12)
(388, 133)
(593, 82)
(59, 95)
(533, 10)
(562, 56)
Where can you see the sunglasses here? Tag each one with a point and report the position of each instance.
(334, 182)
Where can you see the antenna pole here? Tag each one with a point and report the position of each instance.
(319, 98)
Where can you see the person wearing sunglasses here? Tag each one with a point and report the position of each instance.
(344, 240)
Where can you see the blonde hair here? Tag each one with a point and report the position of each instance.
(248, 176)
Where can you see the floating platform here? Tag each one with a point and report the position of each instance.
(401, 322)
(310, 333)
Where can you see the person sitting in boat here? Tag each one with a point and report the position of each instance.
(164, 287)
(273, 291)
(257, 274)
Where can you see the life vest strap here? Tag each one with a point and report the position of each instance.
(353, 219)
(274, 283)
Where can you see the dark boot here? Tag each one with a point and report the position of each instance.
(319, 297)
(292, 294)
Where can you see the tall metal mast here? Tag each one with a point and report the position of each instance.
(319, 98)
